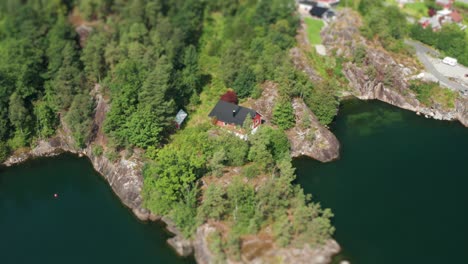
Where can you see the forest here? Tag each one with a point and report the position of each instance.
(150, 58)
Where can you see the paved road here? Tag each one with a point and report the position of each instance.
(422, 52)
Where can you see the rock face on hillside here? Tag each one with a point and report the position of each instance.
(203, 255)
(123, 175)
(314, 140)
(379, 76)
(262, 251)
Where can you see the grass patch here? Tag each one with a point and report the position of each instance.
(417, 10)
(314, 26)
(430, 93)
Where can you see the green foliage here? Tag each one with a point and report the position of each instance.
(385, 22)
(359, 54)
(79, 118)
(242, 204)
(323, 103)
(283, 114)
(244, 82)
(46, 121)
(177, 167)
(214, 205)
(234, 148)
(250, 171)
(457, 46)
(39, 69)
(97, 150)
(216, 163)
(112, 155)
(282, 229)
(429, 93)
(184, 212)
(4, 151)
(216, 247)
(306, 120)
(314, 26)
(268, 145)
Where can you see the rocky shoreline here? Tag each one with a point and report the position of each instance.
(126, 180)
(380, 76)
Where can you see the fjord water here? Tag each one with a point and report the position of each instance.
(86, 223)
(400, 189)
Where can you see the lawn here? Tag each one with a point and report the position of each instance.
(314, 26)
(416, 10)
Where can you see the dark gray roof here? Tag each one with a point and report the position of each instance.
(231, 113)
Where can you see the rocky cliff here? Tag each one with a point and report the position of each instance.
(125, 178)
(377, 74)
(312, 140)
(124, 175)
(260, 250)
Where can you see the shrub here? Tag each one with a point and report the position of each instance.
(97, 150)
(323, 103)
(4, 151)
(112, 155)
(283, 114)
(250, 171)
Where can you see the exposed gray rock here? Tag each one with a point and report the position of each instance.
(203, 254)
(315, 140)
(183, 247)
(308, 255)
(379, 76)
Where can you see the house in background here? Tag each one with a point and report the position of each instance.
(433, 22)
(308, 5)
(230, 115)
(447, 4)
(324, 13)
(442, 17)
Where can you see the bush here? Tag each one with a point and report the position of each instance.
(283, 114)
(216, 247)
(4, 151)
(112, 155)
(428, 93)
(97, 150)
(250, 171)
(323, 103)
(18, 141)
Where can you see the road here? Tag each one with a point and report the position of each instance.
(422, 52)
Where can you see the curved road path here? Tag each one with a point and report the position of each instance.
(422, 52)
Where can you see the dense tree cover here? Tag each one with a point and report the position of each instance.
(250, 47)
(430, 93)
(40, 71)
(450, 39)
(283, 114)
(384, 22)
(172, 188)
(144, 55)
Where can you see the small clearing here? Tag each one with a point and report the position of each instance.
(313, 28)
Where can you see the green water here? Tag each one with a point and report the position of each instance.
(399, 191)
(85, 224)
